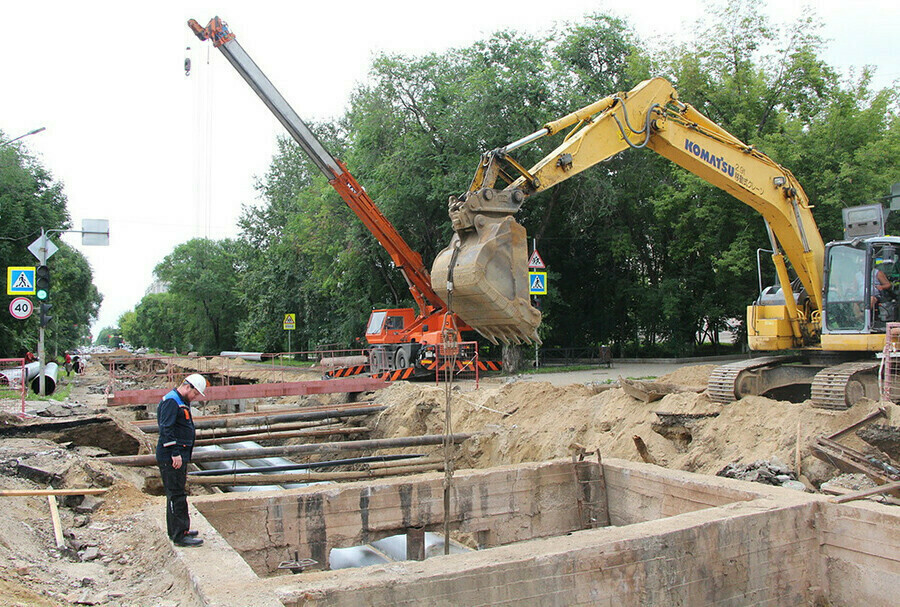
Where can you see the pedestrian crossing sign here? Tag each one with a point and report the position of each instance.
(20, 280)
(290, 322)
(537, 283)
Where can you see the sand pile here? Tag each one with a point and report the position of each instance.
(534, 421)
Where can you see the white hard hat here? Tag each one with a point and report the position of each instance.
(198, 382)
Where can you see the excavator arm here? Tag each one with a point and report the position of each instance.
(485, 265)
(407, 261)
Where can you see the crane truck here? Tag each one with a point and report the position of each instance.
(403, 342)
(824, 325)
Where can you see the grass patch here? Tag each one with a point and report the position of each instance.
(567, 369)
(289, 362)
(63, 389)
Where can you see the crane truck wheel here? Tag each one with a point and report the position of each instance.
(400, 359)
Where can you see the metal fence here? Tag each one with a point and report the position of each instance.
(889, 372)
(13, 385)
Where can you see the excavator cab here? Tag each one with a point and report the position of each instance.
(853, 270)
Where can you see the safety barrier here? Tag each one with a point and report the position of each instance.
(459, 359)
(889, 372)
(13, 384)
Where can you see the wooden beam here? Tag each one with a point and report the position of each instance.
(892, 488)
(28, 492)
(321, 386)
(57, 524)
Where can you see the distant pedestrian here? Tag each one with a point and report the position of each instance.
(68, 364)
(173, 454)
(29, 357)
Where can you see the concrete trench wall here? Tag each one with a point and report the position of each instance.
(498, 506)
(750, 555)
(680, 538)
(860, 553)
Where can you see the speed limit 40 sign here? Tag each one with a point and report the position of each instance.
(21, 308)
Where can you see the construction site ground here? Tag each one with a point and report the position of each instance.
(118, 555)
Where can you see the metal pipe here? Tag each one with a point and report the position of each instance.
(51, 371)
(272, 419)
(260, 428)
(351, 475)
(252, 356)
(224, 440)
(334, 447)
(14, 376)
(336, 462)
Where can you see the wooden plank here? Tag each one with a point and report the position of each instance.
(321, 386)
(28, 492)
(893, 488)
(57, 524)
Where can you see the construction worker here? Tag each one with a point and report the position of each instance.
(173, 453)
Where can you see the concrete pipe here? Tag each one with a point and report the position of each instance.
(51, 372)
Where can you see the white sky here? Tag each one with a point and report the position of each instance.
(166, 158)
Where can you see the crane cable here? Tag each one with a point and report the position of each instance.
(450, 342)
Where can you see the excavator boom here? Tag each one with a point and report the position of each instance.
(485, 266)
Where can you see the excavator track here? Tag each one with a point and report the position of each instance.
(840, 386)
(721, 387)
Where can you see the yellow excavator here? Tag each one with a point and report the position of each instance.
(831, 317)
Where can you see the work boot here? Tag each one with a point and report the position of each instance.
(186, 540)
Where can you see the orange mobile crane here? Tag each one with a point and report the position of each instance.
(403, 341)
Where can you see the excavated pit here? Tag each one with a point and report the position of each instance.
(556, 532)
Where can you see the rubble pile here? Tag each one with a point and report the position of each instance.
(767, 472)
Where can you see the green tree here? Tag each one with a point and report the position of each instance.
(108, 336)
(157, 322)
(203, 275)
(642, 254)
(31, 200)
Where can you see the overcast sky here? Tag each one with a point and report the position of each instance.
(166, 158)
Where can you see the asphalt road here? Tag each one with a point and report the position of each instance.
(630, 370)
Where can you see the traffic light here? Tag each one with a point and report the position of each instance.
(42, 282)
(45, 314)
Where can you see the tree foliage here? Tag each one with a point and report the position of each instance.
(30, 200)
(202, 307)
(642, 254)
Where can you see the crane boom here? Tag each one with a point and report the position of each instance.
(407, 260)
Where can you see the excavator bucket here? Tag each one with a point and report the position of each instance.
(487, 266)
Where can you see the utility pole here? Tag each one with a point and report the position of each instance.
(93, 232)
(45, 249)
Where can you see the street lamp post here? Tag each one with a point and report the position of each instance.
(33, 132)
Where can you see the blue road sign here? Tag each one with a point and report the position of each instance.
(537, 283)
(20, 280)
